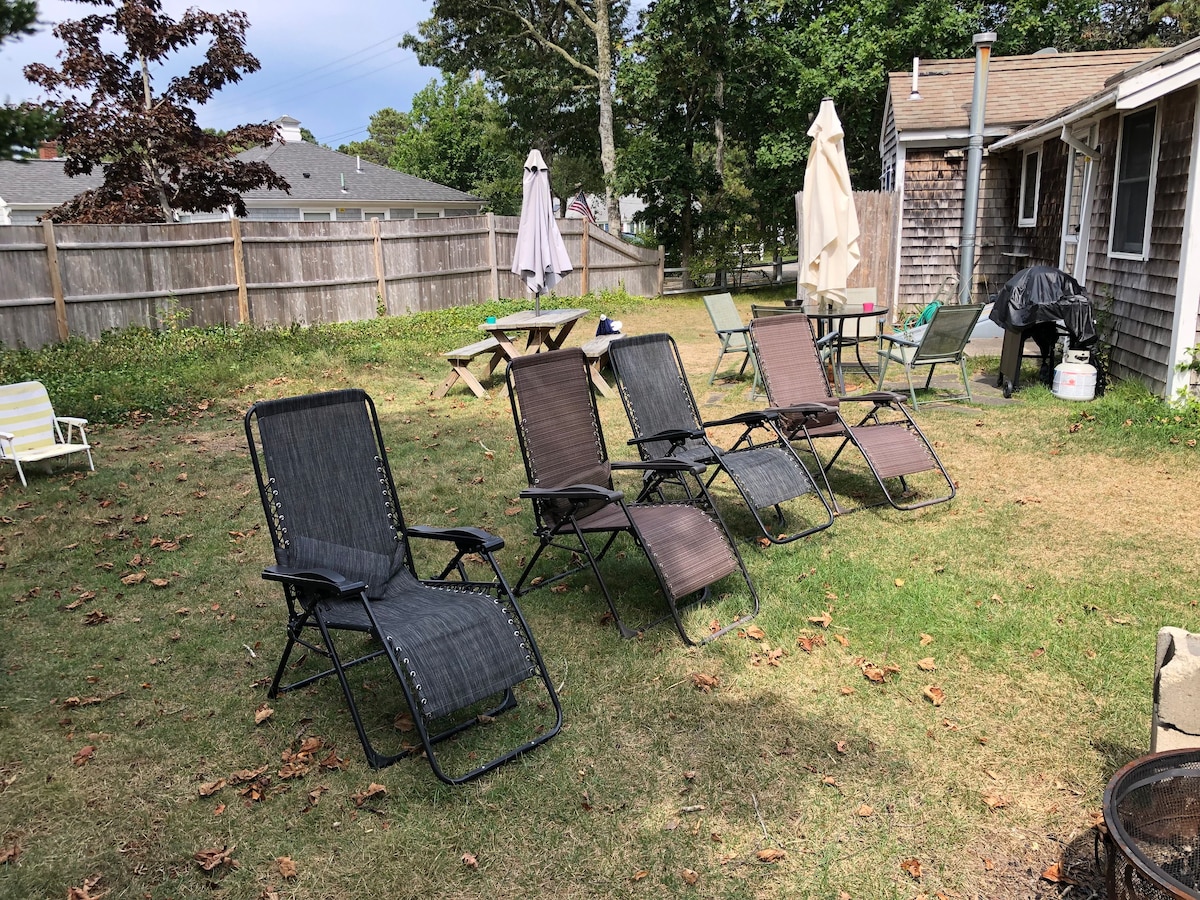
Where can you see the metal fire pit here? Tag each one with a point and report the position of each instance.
(1152, 810)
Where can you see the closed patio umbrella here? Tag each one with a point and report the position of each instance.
(541, 258)
(830, 252)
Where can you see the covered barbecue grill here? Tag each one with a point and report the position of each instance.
(1042, 303)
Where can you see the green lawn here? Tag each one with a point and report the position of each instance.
(136, 625)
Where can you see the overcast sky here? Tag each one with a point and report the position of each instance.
(329, 64)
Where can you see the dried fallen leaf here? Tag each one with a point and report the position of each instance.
(841, 746)
(85, 892)
(469, 860)
(207, 790)
(639, 875)
(912, 866)
(263, 713)
(1056, 875)
(841, 639)
(133, 578)
(899, 582)
(935, 694)
(865, 810)
(83, 756)
(755, 633)
(705, 683)
(9, 853)
(287, 866)
(691, 876)
(807, 642)
(374, 790)
(994, 800)
(217, 856)
(95, 617)
(771, 854)
(927, 664)
(824, 619)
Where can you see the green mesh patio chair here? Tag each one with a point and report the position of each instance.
(943, 340)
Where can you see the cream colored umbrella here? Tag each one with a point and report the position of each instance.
(830, 252)
(541, 257)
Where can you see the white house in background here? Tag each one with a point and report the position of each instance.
(325, 186)
(629, 205)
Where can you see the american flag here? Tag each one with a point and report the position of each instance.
(580, 205)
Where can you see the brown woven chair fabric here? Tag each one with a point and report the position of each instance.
(792, 374)
(572, 491)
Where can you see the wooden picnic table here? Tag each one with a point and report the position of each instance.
(545, 330)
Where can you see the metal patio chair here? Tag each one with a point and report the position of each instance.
(31, 432)
(731, 331)
(571, 489)
(457, 648)
(666, 422)
(943, 340)
(894, 447)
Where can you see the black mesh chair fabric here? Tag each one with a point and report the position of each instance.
(332, 508)
(659, 401)
(793, 375)
(572, 491)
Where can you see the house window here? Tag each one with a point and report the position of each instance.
(1031, 177)
(429, 215)
(317, 215)
(1134, 189)
(402, 213)
(349, 214)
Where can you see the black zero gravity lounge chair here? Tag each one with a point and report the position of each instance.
(894, 448)
(666, 422)
(343, 558)
(571, 489)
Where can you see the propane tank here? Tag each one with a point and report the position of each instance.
(1074, 377)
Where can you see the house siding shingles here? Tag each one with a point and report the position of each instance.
(933, 204)
(1142, 294)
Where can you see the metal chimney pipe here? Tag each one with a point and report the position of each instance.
(916, 93)
(966, 246)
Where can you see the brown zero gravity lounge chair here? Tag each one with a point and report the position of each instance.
(893, 446)
(458, 648)
(571, 489)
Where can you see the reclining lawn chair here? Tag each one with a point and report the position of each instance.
(894, 448)
(571, 489)
(666, 423)
(942, 340)
(343, 557)
(31, 432)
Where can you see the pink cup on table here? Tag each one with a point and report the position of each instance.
(868, 306)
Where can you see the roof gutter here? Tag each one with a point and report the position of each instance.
(1058, 123)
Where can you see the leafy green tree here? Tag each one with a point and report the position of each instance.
(552, 60)
(455, 136)
(155, 158)
(24, 126)
(384, 129)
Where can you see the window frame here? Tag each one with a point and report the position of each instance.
(1152, 180)
(1024, 221)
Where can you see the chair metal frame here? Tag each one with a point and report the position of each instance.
(564, 515)
(893, 448)
(31, 432)
(944, 341)
(732, 332)
(761, 449)
(329, 602)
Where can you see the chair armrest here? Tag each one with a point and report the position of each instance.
(663, 464)
(72, 420)
(828, 339)
(7, 436)
(573, 492)
(674, 436)
(315, 577)
(807, 409)
(465, 539)
(745, 329)
(899, 340)
(881, 397)
(751, 417)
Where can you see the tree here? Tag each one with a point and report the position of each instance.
(455, 137)
(384, 129)
(156, 161)
(510, 40)
(22, 127)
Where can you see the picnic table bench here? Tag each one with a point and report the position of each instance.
(461, 358)
(596, 351)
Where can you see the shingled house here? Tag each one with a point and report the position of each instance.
(325, 186)
(923, 150)
(1107, 195)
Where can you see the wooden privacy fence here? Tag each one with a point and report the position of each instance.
(878, 215)
(57, 281)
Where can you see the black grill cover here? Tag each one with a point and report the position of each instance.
(1045, 294)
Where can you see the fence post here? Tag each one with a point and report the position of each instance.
(493, 253)
(584, 255)
(377, 236)
(60, 302)
(662, 271)
(239, 270)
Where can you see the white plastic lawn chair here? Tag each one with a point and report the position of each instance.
(30, 431)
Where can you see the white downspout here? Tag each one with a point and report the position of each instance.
(1187, 288)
